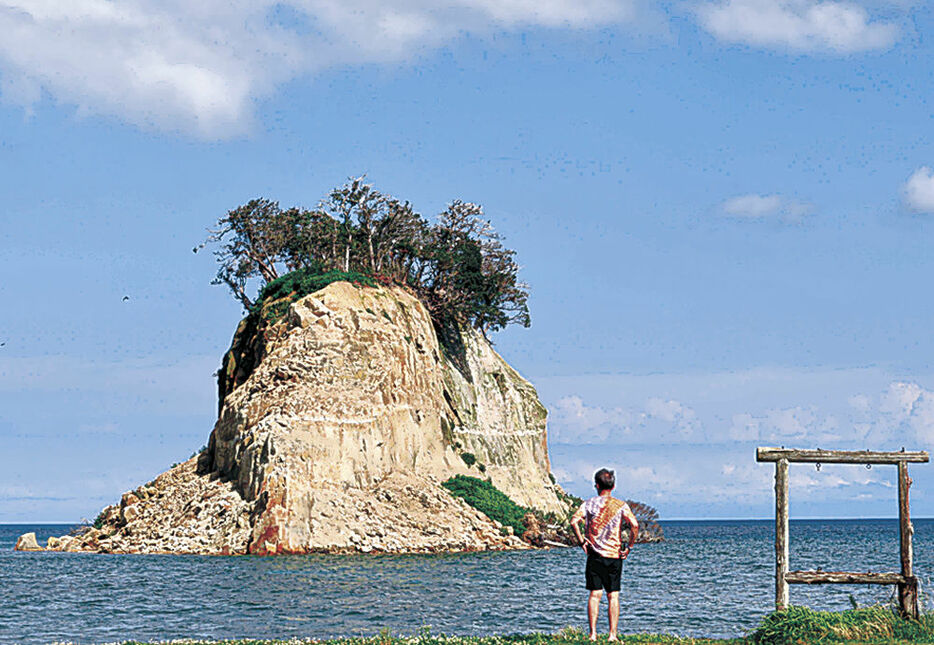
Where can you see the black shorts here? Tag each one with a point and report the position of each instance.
(603, 573)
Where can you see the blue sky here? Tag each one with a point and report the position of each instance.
(722, 209)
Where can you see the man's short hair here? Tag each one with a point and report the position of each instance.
(604, 479)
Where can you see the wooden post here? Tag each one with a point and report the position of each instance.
(840, 456)
(906, 581)
(907, 590)
(842, 577)
(781, 533)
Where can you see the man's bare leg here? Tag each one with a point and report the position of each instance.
(612, 610)
(593, 610)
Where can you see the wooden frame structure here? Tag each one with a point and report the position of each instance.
(906, 581)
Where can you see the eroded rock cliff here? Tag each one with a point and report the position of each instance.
(338, 421)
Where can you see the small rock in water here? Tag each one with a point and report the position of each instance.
(27, 542)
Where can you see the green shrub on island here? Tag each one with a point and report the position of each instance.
(299, 283)
(492, 502)
(573, 502)
(489, 500)
(457, 266)
(469, 458)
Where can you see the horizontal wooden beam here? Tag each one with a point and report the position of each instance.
(842, 577)
(840, 456)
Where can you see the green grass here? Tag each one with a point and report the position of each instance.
(795, 626)
(300, 283)
(565, 637)
(489, 500)
(877, 624)
(99, 520)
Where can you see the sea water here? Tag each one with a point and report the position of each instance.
(710, 578)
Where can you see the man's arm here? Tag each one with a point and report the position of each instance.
(576, 519)
(633, 527)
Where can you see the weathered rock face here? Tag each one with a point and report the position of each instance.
(353, 386)
(27, 542)
(494, 414)
(184, 512)
(178, 512)
(337, 425)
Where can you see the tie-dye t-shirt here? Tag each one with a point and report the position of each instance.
(606, 517)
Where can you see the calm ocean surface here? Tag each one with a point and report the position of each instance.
(709, 579)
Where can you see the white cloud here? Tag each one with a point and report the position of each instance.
(753, 206)
(198, 67)
(779, 425)
(845, 409)
(153, 64)
(898, 400)
(901, 413)
(759, 207)
(685, 478)
(807, 480)
(904, 407)
(918, 191)
(800, 25)
(680, 417)
(572, 421)
(859, 402)
(712, 468)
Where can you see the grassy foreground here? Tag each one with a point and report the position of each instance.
(878, 624)
(797, 625)
(566, 637)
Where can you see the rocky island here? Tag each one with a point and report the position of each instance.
(360, 403)
(339, 421)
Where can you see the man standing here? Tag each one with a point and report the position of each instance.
(605, 518)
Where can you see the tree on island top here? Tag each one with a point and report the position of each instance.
(457, 266)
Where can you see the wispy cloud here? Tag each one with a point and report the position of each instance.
(906, 409)
(658, 419)
(681, 418)
(845, 408)
(576, 422)
(698, 481)
(918, 191)
(761, 207)
(799, 25)
(795, 423)
(712, 469)
(199, 67)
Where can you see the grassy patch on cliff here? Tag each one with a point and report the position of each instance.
(489, 500)
(300, 283)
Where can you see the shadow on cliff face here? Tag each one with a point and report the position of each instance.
(246, 351)
(451, 340)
